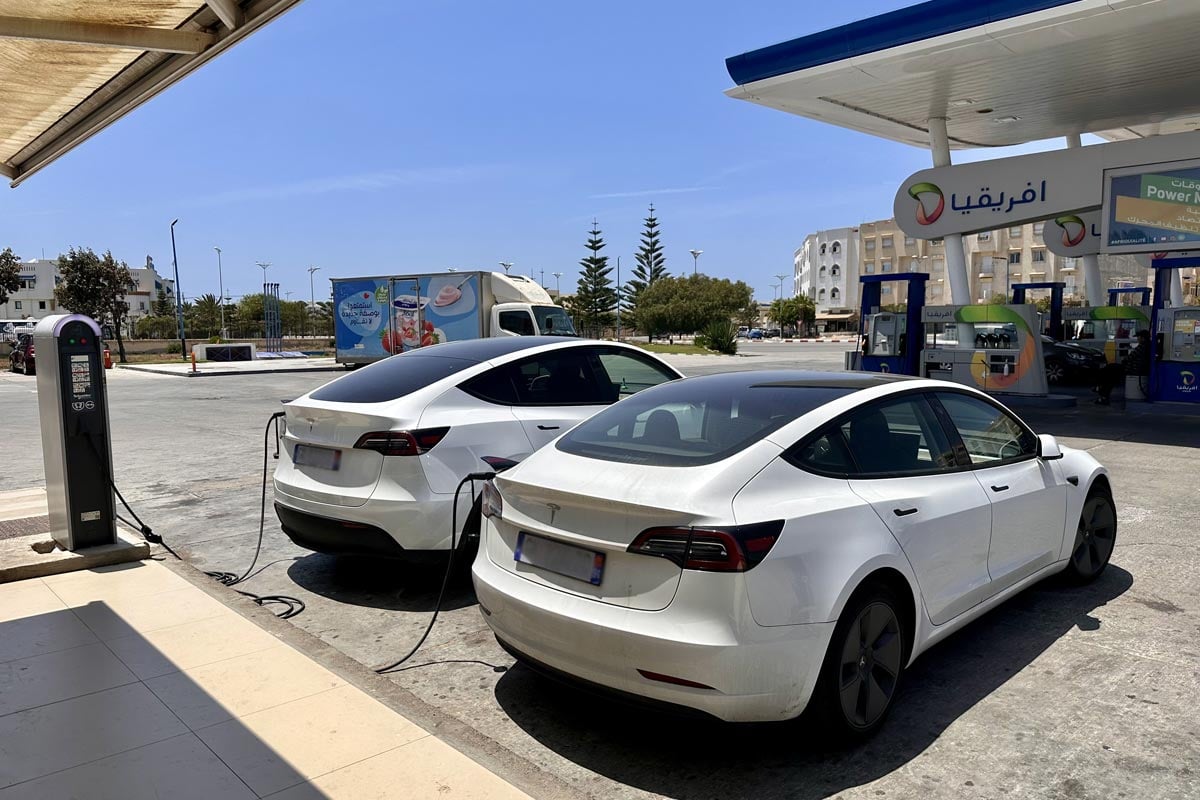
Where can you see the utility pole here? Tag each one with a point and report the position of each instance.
(618, 298)
(178, 295)
(695, 260)
(221, 288)
(312, 295)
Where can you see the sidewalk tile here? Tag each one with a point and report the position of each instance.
(49, 678)
(59, 736)
(136, 579)
(42, 633)
(424, 770)
(26, 598)
(127, 616)
(203, 696)
(193, 644)
(181, 768)
(308, 737)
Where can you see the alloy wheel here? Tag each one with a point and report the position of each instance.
(1095, 536)
(1055, 372)
(870, 665)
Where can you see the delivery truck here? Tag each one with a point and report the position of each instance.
(380, 316)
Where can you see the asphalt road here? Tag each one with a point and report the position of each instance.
(1062, 692)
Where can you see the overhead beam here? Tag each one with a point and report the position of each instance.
(95, 33)
(228, 11)
(7, 170)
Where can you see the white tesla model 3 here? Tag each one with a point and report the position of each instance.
(372, 460)
(754, 544)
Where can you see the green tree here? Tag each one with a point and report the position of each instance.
(95, 286)
(322, 318)
(748, 315)
(206, 315)
(999, 300)
(10, 274)
(688, 304)
(292, 315)
(595, 298)
(250, 315)
(164, 304)
(651, 265)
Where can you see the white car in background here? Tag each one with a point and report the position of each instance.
(371, 461)
(757, 543)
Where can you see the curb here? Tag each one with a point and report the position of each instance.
(153, 371)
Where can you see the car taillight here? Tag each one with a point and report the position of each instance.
(490, 502)
(401, 443)
(736, 548)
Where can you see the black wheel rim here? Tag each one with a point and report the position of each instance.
(870, 665)
(1054, 373)
(1095, 537)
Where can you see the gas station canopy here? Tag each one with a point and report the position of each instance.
(70, 68)
(1001, 72)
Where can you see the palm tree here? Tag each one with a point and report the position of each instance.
(205, 313)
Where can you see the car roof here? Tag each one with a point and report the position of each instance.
(796, 378)
(480, 350)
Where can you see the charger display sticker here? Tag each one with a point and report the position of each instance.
(81, 379)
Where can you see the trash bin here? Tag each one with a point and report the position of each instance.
(1133, 387)
(107, 358)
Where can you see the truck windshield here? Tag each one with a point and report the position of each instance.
(553, 321)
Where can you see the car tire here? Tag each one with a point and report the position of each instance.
(1056, 372)
(1095, 537)
(863, 666)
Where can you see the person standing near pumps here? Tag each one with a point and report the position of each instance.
(1137, 362)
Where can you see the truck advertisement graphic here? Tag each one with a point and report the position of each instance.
(361, 317)
(432, 309)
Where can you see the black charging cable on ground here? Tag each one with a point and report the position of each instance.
(474, 476)
(292, 605)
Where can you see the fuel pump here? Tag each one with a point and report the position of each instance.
(73, 406)
(891, 341)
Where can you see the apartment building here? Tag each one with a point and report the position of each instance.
(825, 269)
(34, 298)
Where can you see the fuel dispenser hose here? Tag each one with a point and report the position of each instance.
(292, 606)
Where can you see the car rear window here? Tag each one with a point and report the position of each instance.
(691, 423)
(390, 379)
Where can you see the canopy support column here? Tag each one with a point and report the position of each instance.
(1093, 284)
(956, 257)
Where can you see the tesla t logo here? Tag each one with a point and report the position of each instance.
(932, 197)
(554, 509)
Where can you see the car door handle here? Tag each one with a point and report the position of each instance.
(903, 512)
(999, 488)
(547, 427)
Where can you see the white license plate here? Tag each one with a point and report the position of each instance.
(564, 559)
(323, 457)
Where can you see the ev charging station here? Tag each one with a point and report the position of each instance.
(73, 407)
(891, 341)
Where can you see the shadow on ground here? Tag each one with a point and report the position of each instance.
(382, 583)
(666, 755)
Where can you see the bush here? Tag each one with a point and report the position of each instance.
(721, 336)
(172, 347)
(214, 340)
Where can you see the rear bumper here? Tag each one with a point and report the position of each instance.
(336, 537)
(705, 635)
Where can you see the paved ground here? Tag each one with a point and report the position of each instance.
(1073, 693)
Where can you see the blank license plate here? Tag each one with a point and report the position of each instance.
(564, 559)
(322, 457)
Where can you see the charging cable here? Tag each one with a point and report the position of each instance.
(474, 476)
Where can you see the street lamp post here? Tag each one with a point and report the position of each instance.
(178, 294)
(507, 266)
(695, 260)
(557, 285)
(780, 279)
(221, 286)
(312, 295)
(542, 278)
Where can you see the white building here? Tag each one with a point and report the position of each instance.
(826, 271)
(35, 297)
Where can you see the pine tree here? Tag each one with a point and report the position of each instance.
(595, 298)
(651, 265)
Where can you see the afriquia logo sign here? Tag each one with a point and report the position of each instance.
(1187, 381)
(1073, 235)
(1073, 229)
(927, 195)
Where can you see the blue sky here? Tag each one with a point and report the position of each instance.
(377, 137)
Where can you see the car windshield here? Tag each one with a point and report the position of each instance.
(692, 422)
(390, 378)
(553, 321)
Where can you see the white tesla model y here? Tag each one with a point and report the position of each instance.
(372, 460)
(756, 544)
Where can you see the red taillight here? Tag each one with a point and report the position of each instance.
(491, 503)
(401, 443)
(726, 549)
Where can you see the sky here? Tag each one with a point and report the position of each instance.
(385, 137)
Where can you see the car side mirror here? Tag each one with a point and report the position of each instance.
(1048, 449)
